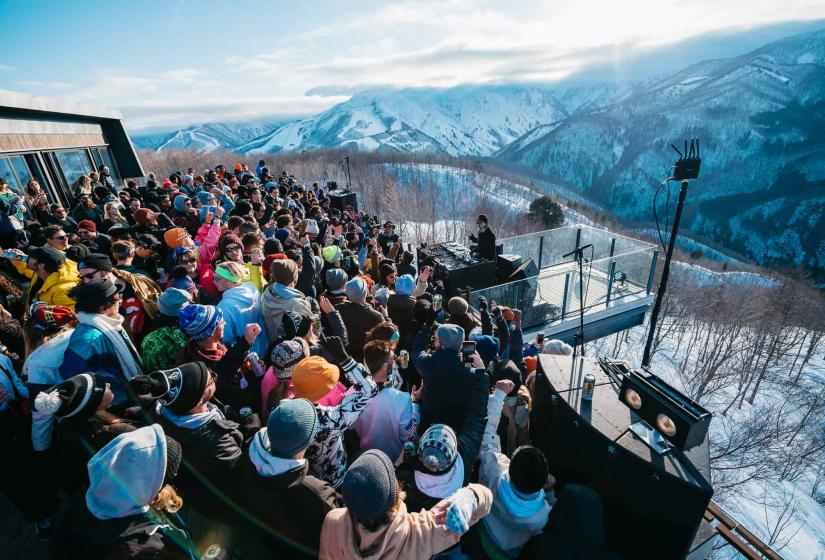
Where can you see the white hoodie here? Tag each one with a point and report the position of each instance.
(42, 368)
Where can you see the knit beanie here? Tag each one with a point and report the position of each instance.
(382, 295)
(179, 389)
(291, 427)
(199, 321)
(438, 448)
(314, 377)
(285, 356)
(331, 253)
(174, 237)
(87, 225)
(487, 347)
(282, 235)
(204, 197)
(528, 469)
(77, 251)
(143, 215)
(229, 239)
(295, 324)
(457, 306)
(50, 318)
(356, 290)
(336, 278)
(179, 202)
(242, 208)
(284, 271)
(78, 396)
(404, 285)
(319, 262)
(451, 337)
(172, 300)
(370, 488)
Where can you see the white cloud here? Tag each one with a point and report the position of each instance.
(6, 68)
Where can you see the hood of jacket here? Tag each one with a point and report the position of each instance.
(47, 358)
(278, 297)
(246, 295)
(285, 472)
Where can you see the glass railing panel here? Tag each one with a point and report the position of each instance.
(540, 298)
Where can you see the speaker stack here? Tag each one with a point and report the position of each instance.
(341, 199)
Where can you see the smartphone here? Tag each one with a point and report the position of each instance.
(540, 338)
(468, 348)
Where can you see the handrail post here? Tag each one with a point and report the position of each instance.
(652, 275)
(578, 237)
(611, 270)
(612, 246)
(565, 296)
(541, 250)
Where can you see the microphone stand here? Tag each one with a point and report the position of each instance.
(578, 255)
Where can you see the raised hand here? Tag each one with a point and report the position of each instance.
(505, 385)
(325, 305)
(251, 332)
(335, 348)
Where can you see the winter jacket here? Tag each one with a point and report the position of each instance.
(54, 290)
(358, 318)
(388, 421)
(241, 306)
(90, 350)
(306, 276)
(326, 454)
(225, 362)
(447, 382)
(42, 369)
(400, 309)
(486, 240)
(287, 505)
(411, 536)
(77, 442)
(464, 321)
(512, 520)
(276, 300)
(154, 534)
(213, 448)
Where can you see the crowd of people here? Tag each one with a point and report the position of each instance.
(222, 359)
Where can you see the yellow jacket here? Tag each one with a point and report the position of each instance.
(55, 289)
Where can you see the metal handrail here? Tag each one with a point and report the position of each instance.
(745, 542)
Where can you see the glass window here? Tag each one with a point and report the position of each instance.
(73, 164)
(7, 172)
(21, 169)
(109, 162)
(96, 156)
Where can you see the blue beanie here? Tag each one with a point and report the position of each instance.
(451, 336)
(173, 300)
(404, 285)
(291, 427)
(205, 196)
(336, 279)
(282, 234)
(357, 290)
(487, 347)
(179, 201)
(370, 488)
(199, 321)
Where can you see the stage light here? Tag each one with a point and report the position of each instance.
(633, 399)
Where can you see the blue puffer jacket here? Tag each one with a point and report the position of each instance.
(447, 384)
(90, 350)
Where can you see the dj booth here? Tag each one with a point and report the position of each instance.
(459, 269)
(653, 503)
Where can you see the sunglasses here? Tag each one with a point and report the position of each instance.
(88, 276)
(61, 237)
(188, 261)
(232, 249)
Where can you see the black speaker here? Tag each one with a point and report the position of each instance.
(511, 267)
(340, 200)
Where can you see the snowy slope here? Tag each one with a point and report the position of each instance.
(760, 118)
(465, 120)
(206, 137)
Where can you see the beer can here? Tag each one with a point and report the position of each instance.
(403, 359)
(437, 301)
(589, 386)
(246, 415)
(215, 552)
(255, 364)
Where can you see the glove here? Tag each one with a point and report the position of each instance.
(496, 311)
(335, 348)
(482, 303)
(463, 505)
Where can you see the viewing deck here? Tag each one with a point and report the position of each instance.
(617, 276)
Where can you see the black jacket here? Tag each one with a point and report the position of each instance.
(79, 441)
(358, 318)
(486, 240)
(287, 510)
(401, 312)
(79, 534)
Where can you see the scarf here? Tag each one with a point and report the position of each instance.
(516, 503)
(443, 485)
(128, 357)
(286, 293)
(191, 421)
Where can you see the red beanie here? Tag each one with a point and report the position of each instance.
(88, 225)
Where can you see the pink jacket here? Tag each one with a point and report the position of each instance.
(270, 382)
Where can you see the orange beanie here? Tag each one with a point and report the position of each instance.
(174, 237)
(531, 362)
(313, 378)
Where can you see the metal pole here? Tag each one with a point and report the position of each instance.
(611, 270)
(349, 177)
(541, 249)
(657, 306)
(566, 294)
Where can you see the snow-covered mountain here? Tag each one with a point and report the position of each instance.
(207, 137)
(464, 120)
(760, 118)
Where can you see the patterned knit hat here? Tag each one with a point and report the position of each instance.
(285, 356)
(50, 318)
(295, 325)
(179, 389)
(438, 448)
(78, 396)
(200, 321)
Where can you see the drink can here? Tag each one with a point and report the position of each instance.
(255, 364)
(437, 302)
(589, 386)
(403, 359)
(214, 552)
(246, 415)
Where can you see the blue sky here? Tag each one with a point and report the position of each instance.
(166, 63)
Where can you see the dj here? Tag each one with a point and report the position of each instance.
(486, 240)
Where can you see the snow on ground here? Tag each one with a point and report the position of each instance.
(705, 277)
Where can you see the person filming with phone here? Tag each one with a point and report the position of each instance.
(485, 241)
